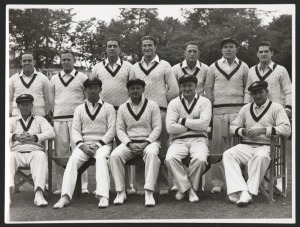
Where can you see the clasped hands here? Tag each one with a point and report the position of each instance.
(89, 150)
(138, 148)
(251, 133)
(24, 137)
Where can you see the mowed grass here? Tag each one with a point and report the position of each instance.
(211, 206)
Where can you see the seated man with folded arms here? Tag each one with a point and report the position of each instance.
(188, 118)
(93, 131)
(27, 134)
(138, 128)
(256, 122)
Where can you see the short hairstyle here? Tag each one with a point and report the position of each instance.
(67, 51)
(192, 43)
(264, 43)
(135, 81)
(149, 37)
(113, 39)
(27, 52)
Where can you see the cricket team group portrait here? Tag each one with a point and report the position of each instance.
(135, 131)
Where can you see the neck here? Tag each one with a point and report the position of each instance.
(94, 101)
(147, 59)
(190, 98)
(68, 71)
(137, 100)
(26, 116)
(28, 72)
(191, 64)
(230, 60)
(112, 60)
(265, 64)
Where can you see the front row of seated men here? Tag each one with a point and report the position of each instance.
(138, 127)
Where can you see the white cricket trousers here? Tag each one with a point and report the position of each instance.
(180, 148)
(256, 158)
(122, 154)
(77, 159)
(38, 163)
(63, 140)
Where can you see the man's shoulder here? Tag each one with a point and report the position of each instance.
(127, 63)
(152, 103)
(164, 62)
(175, 101)
(108, 106)
(203, 99)
(15, 76)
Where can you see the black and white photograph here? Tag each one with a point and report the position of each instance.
(150, 113)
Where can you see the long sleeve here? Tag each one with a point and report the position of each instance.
(238, 122)
(156, 124)
(171, 120)
(121, 128)
(202, 123)
(76, 126)
(248, 98)
(47, 131)
(46, 91)
(286, 87)
(245, 76)
(283, 126)
(111, 125)
(12, 125)
(52, 94)
(11, 95)
(172, 85)
(209, 84)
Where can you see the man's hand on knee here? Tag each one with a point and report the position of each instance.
(87, 150)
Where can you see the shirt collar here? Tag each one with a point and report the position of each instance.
(196, 97)
(100, 101)
(271, 65)
(184, 64)
(156, 58)
(20, 117)
(141, 102)
(236, 60)
(263, 105)
(106, 62)
(21, 73)
(64, 74)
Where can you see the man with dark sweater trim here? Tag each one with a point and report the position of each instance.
(138, 127)
(255, 122)
(187, 121)
(93, 132)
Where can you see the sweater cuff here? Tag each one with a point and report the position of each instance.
(289, 107)
(102, 142)
(128, 143)
(183, 121)
(79, 142)
(13, 137)
(269, 131)
(240, 132)
(147, 141)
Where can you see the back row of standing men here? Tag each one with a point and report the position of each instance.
(225, 83)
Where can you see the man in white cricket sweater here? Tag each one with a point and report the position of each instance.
(280, 87)
(29, 81)
(224, 87)
(93, 132)
(192, 66)
(27, 132)
(66, 93)
(114, 73)
(255, 122)
(161, 87)
(138, 128)
(188, 118)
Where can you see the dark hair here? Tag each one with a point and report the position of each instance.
(149, 37)
(264, 43)
(67, 51)
(113, 39)
(192, 43)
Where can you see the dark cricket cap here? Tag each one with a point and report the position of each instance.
(229, 40)
(135, 81)
(188, 77)
(258, 85)
(24, 98)
(92, 81)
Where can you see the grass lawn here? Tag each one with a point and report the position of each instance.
(211, 206)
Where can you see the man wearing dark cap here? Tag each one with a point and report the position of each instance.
(93, 131)
(224, 87)
(138, 128)
(255, 123)
(188, 118)
(27, 132)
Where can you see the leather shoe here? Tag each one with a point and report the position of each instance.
(103, 202)
(174, 188)
(39, 200)
(149, 200)
(193, 196)
(121, 197)
(62, 202)
(216, 189)
(245, 199)
(179, 196)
